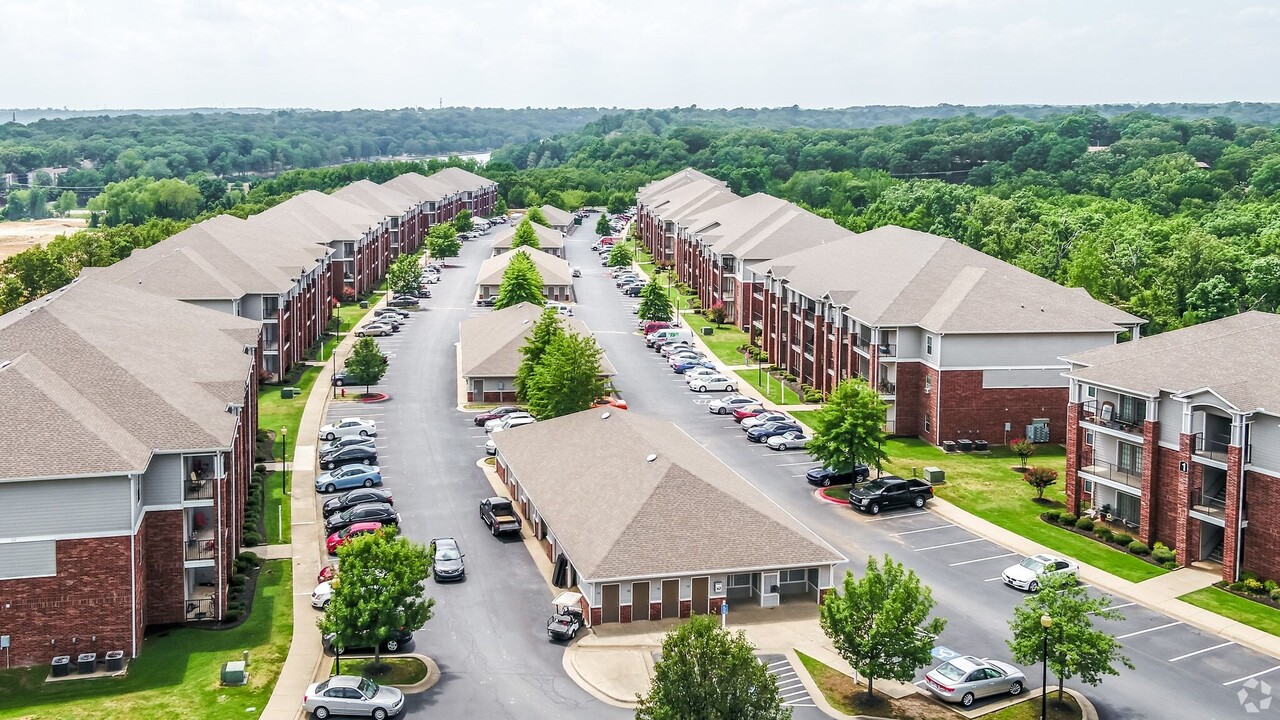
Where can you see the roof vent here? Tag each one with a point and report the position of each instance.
(234, 408)
(652, 457)
(604, 416)
(5, 364)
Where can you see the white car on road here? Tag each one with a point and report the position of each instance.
(726, 405)
(767, 416)
(1026, 575)
(347, 427)
(718, 383)
(788, 440)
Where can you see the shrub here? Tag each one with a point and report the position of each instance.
(813, 396)
(231, 616)
(250, 557)
(1271, 585)
(1236, 586)
(1138, 548)
(1253, 586)
(1248, 575)
(239, 579)
(251, 539)
(1103, 533)
(1164, 555)
(1275, 594)
(1067, 519)
(1052, 516)
(235, 606)
(1085, 524)
(1122, 539)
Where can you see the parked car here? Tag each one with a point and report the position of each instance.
(327, 573)
(420, 293)
(352, 695)
(762, 433)
(486, 301)
(348, 426)
(374, 329)
(577, 271)
(403, 302)
(611, 401)
(652, 326)
(634, 290)
(398, 312)
(321, 596)
(788, 440)
(447, 563)
(745, 413)
(718, 383)
(726, 405)
(490, 447)
(336, 540)
(395, 643)
(352, 498)
(510, 421)
(766, 416)
(888, 492)
(346, 441)
(695, 373)
(497, 513)
(666, 348)
(1026, 575)
(369, 512)
(964, 679)
(826, 477)
(496, 413)
(339, 379)
(566, 620)
(688, 364)
(349, 455)
(351, 476)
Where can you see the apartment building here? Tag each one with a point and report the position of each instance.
(125, 478)
(478, 195)
(401, 212)
(961, 346)
(1178, 437)
(662, 204)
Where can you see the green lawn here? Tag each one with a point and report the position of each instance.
(394, 671)
(850, 697)
(986, 486)
(1253, 614)
(774, 391)
(724, 340)
(805, 416)
(176, 676)
(1030, 709)
(276, 507)
(275, 412)
(349, 315)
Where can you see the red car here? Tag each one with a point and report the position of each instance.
(327, 573)
(337, 539)
(615, 402)
(747, 412)
(496, 413)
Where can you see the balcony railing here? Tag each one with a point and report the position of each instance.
(888, 349)
(1131, 477)
(861, 343)
(202, 548)
(1213, 447)
(200, 609)
(1211, 505)
(1104, 415)
(199, 487)
(888, 387)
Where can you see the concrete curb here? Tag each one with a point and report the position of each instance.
(423, 685)
(811, 685)
(569, 662)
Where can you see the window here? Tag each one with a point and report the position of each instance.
(1132, 410)
(1130, 458)
(1128, 507)
(1088, 437)
(927, 426)
(1090, 391)
(1088, 487)
(928, 384)
(792, 576)
(928, 344)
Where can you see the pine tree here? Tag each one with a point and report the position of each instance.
(655, 304)
(603, 227)
(547, 329)
(521, 282)
(567, 377)
(526, 236)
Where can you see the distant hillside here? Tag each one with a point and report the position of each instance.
(30, 115)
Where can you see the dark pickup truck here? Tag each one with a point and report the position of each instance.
(888, 492)
(498, 514)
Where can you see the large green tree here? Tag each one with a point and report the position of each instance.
(525, 236)
(603, 227)
(567, 378)
(655, 304)
(1076, 647)
(880, 624)
(380, 588)
(850, 428)
(620, 255)
(708, 673)
(366, 364)
(521, 282)
(462, 222)
(535, 214)
(405, 274)
(443, 242)
(547, 329)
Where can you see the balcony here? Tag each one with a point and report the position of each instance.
(1129, 477)
(1213, 506)
(202, 548)
(888, 387)
(1211, 447)
(1103, 416)
(862, 343)
(199, 487)
(887, 350)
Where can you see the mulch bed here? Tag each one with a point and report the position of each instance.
(1089, 534)
(1260, 599)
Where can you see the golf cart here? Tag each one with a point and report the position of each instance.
(567, 620)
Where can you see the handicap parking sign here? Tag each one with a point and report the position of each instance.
(943, 653)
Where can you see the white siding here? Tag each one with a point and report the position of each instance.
(72, 507)
(1046, 378)
(1017, 350)
(28, 559)
(1264, 435)
(162, 483)
(1170, 419)
(910, 343)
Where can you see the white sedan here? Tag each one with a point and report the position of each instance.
(713, 382)
(1026, 575)
(346, 427)
(374, 328)
(321, 596)
(515, 419)
(724, 406)
(788, 440)
(696, 373)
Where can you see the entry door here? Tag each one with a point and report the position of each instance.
(700, 593)
(639, 601)
(609, 608)
(670, 598)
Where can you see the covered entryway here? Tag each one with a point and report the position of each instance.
(609, 604)
(700, 596)
(670, 598)
(639, 601)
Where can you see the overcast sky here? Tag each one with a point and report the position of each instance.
(339, 54)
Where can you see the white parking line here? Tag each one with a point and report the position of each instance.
(1197, 652)
(1153, 629)
(970, 562)
(793, 693)
(1250, 677)
(913, 532)
(809, 462)
(1122, 605)
(895, 517)
(993, 579)
(947, 545)
(779, 662)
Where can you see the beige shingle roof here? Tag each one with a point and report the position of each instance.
(761, 226)
(556, 216)
(547, 238)
(461, 180)
(386, 200)
(332, 217)
(691, 200)
(619, 516)
(1234, 357)
(420, 187)
(895, 276)
(673, 181)
(489, 345)
(103, 374)
(554, 270)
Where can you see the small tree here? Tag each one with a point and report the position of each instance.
(547, 328)
(65, 203)
(380, 589)
(535, 215)
(602, 225)
(366, 365)
(1040, 478)
(462, 222)
(655, 304)
(500, 207)
(521, 282)
(1076, 648)
(567, 378)
(850, 428)
(526, 236)
(880, 624)
(1024, 449)
(619, 202)
(717, 313)
(405, 275)
(620, 255)
(443, 242)
(707, 673)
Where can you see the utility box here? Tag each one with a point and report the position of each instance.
(286, 393)
(86, 663)
(935, 475)
(234, 673)
(1038, 430)
(708, 331)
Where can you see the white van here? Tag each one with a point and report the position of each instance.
(666, 334)
(561, 308)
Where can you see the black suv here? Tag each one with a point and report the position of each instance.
(349, 455)
(368, 512)
(826, 477)
(888, 492)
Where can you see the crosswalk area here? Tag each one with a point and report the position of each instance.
(790, 687)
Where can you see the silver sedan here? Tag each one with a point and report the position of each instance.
(351, 695)
(964, 679)
(788, 440)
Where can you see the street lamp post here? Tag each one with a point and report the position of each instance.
(1046, 622)
(284, 474)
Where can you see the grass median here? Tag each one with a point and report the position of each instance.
(176, 675)
(1253, 614)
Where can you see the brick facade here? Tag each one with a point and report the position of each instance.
(1262, 537)
(163, 553)
(968, 410)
